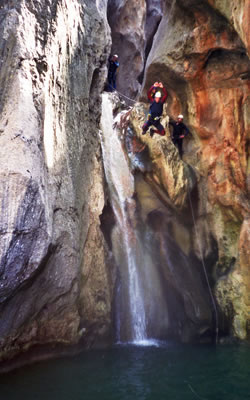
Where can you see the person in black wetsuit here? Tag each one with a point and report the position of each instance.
(156, 109)
(113, 67)
(179, 132)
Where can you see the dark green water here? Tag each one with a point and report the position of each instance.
(169, 372)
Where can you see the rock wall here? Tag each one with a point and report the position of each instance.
(164, 187)
(133, 25)
(56, 278)
(201, 54)
(53, 262)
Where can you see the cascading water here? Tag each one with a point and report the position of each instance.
(121, 186)
(139, 303)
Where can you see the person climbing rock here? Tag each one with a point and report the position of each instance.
(113, 67)
(179, 132)
(155, 112)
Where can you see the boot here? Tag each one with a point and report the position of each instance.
(152, 132)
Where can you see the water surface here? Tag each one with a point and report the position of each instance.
(167, 372)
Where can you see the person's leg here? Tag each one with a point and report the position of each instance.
(152, 132)
(145, 127)
(180, 147)
(175, 141)
(110, 85)
(159, 128)
(114, 80)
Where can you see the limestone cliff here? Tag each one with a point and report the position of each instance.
(201, 54)
(54, 287)
(56, 276)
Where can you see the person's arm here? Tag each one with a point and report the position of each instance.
(150, 93)
(165, 95)
(186, 130)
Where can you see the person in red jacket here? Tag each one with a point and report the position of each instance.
(155, 112)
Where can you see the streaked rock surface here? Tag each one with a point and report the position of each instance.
(201, 54)
(53, 67)
(56, 274)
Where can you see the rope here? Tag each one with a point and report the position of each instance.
(205, 272)
(200, 248)
(126, 97)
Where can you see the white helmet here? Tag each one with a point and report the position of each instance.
(115, 55)
(158, 94)
(180, 116)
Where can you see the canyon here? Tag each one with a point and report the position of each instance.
(58, 263)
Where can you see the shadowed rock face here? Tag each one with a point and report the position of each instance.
(200, 53)
(164, 187)
(127, 20)
(133, 25)
(53, 55)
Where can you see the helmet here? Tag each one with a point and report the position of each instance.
(158, 94)
(180, 116)
(115, 55)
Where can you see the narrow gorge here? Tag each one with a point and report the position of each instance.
(106, 234)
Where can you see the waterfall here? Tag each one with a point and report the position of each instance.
(121, 188)
(142, 312)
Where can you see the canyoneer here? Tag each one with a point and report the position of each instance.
(179, 132)
(155, 112)
(113, 68)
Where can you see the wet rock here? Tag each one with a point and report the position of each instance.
(168, 236)
(161, 290)
(159, 227)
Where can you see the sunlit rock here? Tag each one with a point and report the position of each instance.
(52, 70)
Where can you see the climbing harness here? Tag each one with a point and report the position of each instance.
(154, 118)
(205, 272)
